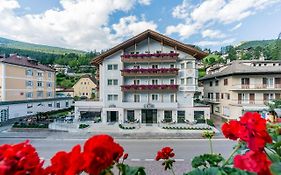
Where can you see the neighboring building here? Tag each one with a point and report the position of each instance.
(23, 108)
(148, 78)
(86, 86)
(22, 78)
(242, 86)
(65, 92)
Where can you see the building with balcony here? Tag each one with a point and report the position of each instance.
(149, 78)
(242, 86)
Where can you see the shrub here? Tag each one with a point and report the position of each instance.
(82, 126)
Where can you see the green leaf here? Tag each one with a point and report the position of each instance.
(207, 160)
(276, 168)
(128, 170)
(218, 171)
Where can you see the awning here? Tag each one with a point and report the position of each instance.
(255, 108)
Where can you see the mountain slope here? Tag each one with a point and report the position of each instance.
(255, 43)
(12, 44)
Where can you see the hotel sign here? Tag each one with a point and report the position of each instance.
(148, 106)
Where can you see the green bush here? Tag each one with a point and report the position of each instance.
(82, 126)
(30, 125)
(123, 127)
(210, 122)
(185, 128)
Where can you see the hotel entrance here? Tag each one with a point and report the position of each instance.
(112, 116)
(149, 115)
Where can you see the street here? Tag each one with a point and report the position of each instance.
(141, 152)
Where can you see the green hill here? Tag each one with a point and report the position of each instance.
(12, 44)
(254, 44)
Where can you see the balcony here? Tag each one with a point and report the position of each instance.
(168, 72)
(150, 88)
(212, 100)
(154, 58)
(256, 87)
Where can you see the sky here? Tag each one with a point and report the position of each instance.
(101, 24)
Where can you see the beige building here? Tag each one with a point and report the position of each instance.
(85, 87)
(23, 78)
(242, 86)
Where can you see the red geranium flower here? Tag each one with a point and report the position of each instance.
(100, 152)
(254, 162)
(19, 159)
(165, 153)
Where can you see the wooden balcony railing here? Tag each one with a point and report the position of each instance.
(150, 88)
(149, 72)
(156, 57)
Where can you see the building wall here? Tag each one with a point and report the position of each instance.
(84, 87)
(15, 86)
(15, 110)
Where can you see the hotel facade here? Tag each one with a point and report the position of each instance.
(242, 86)
(149, 78)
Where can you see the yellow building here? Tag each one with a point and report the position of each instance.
(85, 87)
(23, 78)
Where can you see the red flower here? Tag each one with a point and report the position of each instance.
(64, 163)
(100, 152)
(125, 156)
(254, 162)
(165, 153)
(19, 159)
(251, 128)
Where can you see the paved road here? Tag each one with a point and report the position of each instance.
(141, 151)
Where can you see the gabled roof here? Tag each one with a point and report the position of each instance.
(156, 36)
(238, 67)
(90, 77)
(25, 62)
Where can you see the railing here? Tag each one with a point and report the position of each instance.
(150, 72)
(256, 86)
(157, 57)
(148, 88)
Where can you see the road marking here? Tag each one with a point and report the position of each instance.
(179, 160)
(135, 160)
(149, 160)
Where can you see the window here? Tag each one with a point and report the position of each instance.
(211, 83)
(154, 66)
(29, 106)
(217, 82)
(172, 66)
(182, 65)
(245, 81)
(112, 97)
(39, 93)
(154, 81)
(172, 98)
(136, 98)
(221, 95)
(112, 67)
(49, 84)
(29, 95)
(4, 115)
(168, 116)
(49, 74)
(131, 115)
(228, 96)
(39, 84)
(181, 116)
(40, 74)
(189, 81)
(154, 97)
(225, 82)
(189, 65)
(58, 105)
(172, 81)
(136, 66)
(111, 82)
(136, 82)
(182, 81)
(50, 105)
(29, 83)
(67, 104)
(199, 116)
(29, 72)
(49, 94)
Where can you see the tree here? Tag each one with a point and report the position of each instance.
(246, 56)
(232, 54)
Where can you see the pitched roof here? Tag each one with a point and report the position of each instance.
(239, 67)
(156, 36)
(25, 62)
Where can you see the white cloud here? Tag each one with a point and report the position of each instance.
(212, 34)
(214, 12)
(205, 43)
(144, 2)
(129, 26)
(184, 30)
(237, 26)
(80, 24)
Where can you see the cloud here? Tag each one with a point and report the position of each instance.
(212, 34)
(80, 24)
(213, 12)
(145, 2)
(236, 27)
(205, 43)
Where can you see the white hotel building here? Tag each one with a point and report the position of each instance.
(150, 78)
